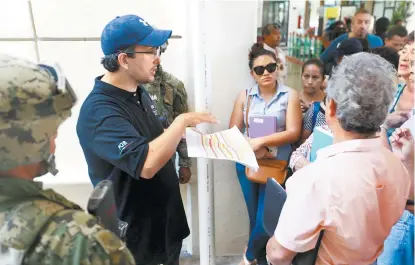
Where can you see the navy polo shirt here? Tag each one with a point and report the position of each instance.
(114, 128)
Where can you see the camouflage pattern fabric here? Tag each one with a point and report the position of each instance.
(42, 227)
(31, 110)
(170, 97)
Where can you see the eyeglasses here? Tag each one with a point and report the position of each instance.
(259, 70)
(156, 52)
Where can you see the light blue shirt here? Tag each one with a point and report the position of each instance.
(374, 42)
(276, 107)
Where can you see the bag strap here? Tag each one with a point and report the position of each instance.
(316, 109)
(320, 237)
(396, 99)
(248, 105)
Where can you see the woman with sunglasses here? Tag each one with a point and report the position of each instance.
(267, 97)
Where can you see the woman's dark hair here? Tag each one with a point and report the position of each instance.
(110, 61)
(389, 54)
(316, 62)
(258, 50)
(381, 26)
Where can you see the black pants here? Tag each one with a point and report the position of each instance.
(173, 255)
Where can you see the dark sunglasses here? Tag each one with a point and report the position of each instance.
(259, 70)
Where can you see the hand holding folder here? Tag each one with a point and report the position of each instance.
(275, 197)
(260, 126)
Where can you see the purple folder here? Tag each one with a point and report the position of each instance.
(260, 126)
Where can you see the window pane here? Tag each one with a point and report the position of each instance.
(389, 13)
(15, 19)
(390, 3)
(378, 10)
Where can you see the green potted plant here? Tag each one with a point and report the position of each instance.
(402, 13)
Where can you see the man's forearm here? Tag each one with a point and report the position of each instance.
(162, 148)
(409, 164)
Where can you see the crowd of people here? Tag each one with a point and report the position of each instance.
(359, 190)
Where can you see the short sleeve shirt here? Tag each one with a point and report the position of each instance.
(308, 118)
(276, 107)
(356, 191)
(114, 129)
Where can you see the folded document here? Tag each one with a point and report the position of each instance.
(229, 144)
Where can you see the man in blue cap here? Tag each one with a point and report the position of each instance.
(125, 142)
(359, 29)
(344, 48)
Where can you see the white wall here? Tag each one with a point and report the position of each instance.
(296, 9)
(231, 31)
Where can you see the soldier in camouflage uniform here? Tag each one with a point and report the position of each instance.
(170, 98)
(39, 226)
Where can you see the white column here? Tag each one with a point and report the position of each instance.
(202, 89)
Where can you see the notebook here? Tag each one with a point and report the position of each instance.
(260, 126)
(275, 197)
(274, 200)
(321, 139)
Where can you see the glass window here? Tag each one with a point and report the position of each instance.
(389, 13)
(378, 10)
(390, 3)
(276, 12)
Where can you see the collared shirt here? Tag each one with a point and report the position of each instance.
(280, 55)
(115, 128)
(303, 151)
(356, 191)
(374, 42)
(276, 107)
(170, 98)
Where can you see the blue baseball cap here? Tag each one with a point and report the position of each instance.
(125, 31)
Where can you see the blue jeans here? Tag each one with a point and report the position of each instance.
(254, 195)
(399, 245)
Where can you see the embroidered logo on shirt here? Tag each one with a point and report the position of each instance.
(154, 109)
(122, 146)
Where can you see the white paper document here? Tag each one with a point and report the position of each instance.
(226, 145)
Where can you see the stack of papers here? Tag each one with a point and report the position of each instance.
(229, 144)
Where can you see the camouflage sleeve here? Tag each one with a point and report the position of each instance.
(180, 106)
(184, 160)
(75, 237)
(180, 100)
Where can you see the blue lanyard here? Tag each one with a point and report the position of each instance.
(398, 95)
